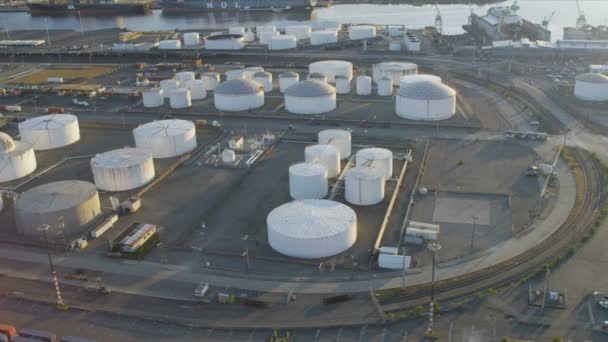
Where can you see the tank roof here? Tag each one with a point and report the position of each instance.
(426, 90)
(55, 196)
(164, 127)
(48, 121)
(123, 157)
(309, 88)
(238, 87)
(7, 143)
(287, 74)
(592, 78)
(307, 169)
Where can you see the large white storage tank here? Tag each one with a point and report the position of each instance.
(180, 98)
(224, 42)
(236, 30)
(379, 158)
(299, 31)
(166, 138)
(323, 37)
(420, 77)
(17, 159)
(264, 28)
(123, 169)
(287, 79)
(326, 155)
(364, 85)
(237, 95)
(361, 32)
(50, 131)
(248, 36)
(170, 44)
(168, 85)
(591, 87)
(312, 229)
(282, 42)
(315, 76)
(310, 97)
(192, 38)
(339, 138)
(184, 76)
(425, 100)
(394, 70)
(385, 86)
(153, 97)
(211, 79)
(266, 36)
(197, 89)
(342, 84)
(331, 68)
(364, 186)
(237, 74)
(265, 79)
(307, 181)
(74, 204)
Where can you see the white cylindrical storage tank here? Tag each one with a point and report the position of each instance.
(166, 138)
(237, 95)
(299, 31)
(310, 97)
(591, 87)
(312, 229)
(236, 30)
(326, 155)
(332, 68)
(265, 79)
(248, 36)
(323, 37)
(315, 76)
(123, 169)
(385, 86)
(394, 45)
(420, 77)
(153, 97)
(180, 98)
(184, 76)
(282, 42)
(211, 79)
(73, 203)
(261, 29)
(238, 74)
(265, 36)
(287, 79)
(307, 181)
(170, 44)
(225, 42)
(364, 85)
(50, 131)
(249, 72)
(364, 186)
(228, 156)
(425, 100)
(192, 38)
(342, 84)
(197, 89)
(379, 158)
(339, 138)
(168, 85)
(394, 70)
(361, 32)
(17, 159)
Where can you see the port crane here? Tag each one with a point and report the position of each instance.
(547, 20)
(581, 20)
(438, 20)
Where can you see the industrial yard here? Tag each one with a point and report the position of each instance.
(310, 179)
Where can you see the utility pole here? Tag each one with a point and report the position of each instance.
(60, 305)
(246, 256)
(434, 247)
(473, 233)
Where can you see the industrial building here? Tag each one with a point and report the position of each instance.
(312, 229)
(123, 169)
(425, 100)
(166, 138)
(68, 207)
(51, 131)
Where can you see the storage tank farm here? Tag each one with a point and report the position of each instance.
(17, 158)
(122, 169)
(68, 207)
(364, 85)
(166, 138)
(184, 76)
(312, 229)
(168, 85)
(180, 98)
(51, 131)
(299, 31)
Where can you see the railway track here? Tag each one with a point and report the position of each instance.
(588, 202)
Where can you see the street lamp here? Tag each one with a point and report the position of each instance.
(59, 305)
(434, 247)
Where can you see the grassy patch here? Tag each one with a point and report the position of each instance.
(68, 74)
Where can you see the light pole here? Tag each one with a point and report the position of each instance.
(434, 247)
(473, 233)
(59, 305)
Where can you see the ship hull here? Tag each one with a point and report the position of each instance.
(201, 6)
(89, 9)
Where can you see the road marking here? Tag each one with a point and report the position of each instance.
(317, 334)
(339, 334)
